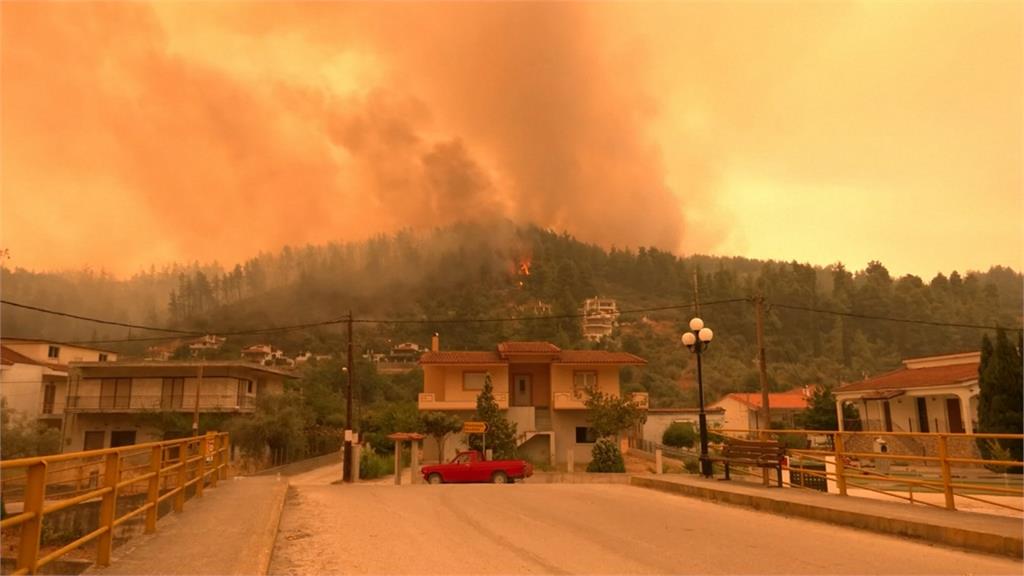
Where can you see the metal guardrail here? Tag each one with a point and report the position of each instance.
(838, 462)
(45, 485)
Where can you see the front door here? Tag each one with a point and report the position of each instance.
(956, 422)
(522, 390)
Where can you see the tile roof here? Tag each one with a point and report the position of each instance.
(9, 357)
(461, 357)
(794, 400)
(916, 378)
(527, 348)
(598, 357)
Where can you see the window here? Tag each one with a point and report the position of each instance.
(49, 396)
(116, 393)
(93, 439)
(53, 352)
(581, 381)
(122, 438)
(473, 380)
(585, 435)
(173, 393)
(103, 357)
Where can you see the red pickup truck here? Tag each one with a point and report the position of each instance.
(470, 467)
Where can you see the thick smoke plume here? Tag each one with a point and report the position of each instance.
(214, 131)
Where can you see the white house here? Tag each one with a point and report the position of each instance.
(933, 394)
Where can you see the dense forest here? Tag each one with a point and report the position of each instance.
(457, 281)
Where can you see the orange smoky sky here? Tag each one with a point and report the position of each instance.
(147, 133)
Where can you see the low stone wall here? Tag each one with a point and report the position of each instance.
(577, 478)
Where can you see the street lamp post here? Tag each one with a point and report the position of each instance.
(697, 340)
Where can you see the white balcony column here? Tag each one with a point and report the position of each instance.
(965, 411)
(839, 414)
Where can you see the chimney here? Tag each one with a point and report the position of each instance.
(435, 343)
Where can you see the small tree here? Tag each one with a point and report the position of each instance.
(609, 416)
(440, 425)
(501, 434)
(278, 424)
(821, 411)
(21, 437)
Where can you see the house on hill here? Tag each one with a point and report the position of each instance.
(932, 394)
(743, 409)
(537, 384)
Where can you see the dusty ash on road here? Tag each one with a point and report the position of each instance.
(577, 529)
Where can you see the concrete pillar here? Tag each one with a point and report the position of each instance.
(569, 464)
(398, 462)
(657, 462)
(414, 461)
(839, 413)
(830, 471)
(551, 449)
(357, 452)
(965, 411)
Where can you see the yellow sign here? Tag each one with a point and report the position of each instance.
(474, 427)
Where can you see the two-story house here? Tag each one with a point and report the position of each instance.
(539, 385)
(105, 400)
(34, 375)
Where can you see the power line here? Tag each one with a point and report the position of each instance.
(97, 320)
(889, 318)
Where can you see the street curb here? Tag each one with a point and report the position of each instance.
(266, 548)
(956, 536)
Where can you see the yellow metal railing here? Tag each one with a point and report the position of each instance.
(934, 470)
(45, 485)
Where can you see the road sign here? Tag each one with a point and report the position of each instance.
(474, 427)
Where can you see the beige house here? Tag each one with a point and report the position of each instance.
(538, 384)
(742, 410)
(933, 394)
(105, 400)
(34, 375)
(659, 419)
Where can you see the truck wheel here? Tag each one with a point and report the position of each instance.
(499, 477)
(435, 478)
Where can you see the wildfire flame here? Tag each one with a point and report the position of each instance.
(524, 268)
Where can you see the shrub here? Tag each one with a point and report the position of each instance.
(680, 435)
(372, 465)
(692, 465)
(606, 457)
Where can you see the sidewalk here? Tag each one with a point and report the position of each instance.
(230, 530)
(968, 530)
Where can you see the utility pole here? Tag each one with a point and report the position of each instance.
(761, 369)
(347, 477)
(195, 413)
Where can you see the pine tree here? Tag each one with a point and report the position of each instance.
(1001, 394)
(501, 434)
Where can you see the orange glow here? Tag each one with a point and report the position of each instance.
(139, 133)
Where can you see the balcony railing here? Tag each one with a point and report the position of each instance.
(160, 403)
(429, 401)
(573, 401)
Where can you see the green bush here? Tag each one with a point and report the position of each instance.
(606, 457)
(372, 465)
(692, 465)
(680, 435)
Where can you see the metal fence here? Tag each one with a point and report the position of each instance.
(118, 484)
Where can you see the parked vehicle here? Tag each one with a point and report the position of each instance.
(471, 467)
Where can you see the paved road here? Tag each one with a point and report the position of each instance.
(577, 529)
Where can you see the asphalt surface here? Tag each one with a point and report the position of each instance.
(577, 529)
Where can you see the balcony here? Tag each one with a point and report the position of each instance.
(159, 403)
(571, 401)
(429, 401)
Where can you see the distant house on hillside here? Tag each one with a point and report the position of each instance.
(537, 384)
(600, 316)
(932, 394)
(743, 409)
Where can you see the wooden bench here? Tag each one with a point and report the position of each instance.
(759, 453)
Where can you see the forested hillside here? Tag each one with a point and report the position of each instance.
(407, 286)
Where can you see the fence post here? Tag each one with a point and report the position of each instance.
(213, 453)
(658, 469)
(35, 494)
(156, 456)
(201, 466)
(947, 485)
(108, 508)
(225, 460)
(840, 465)
(179, 498)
